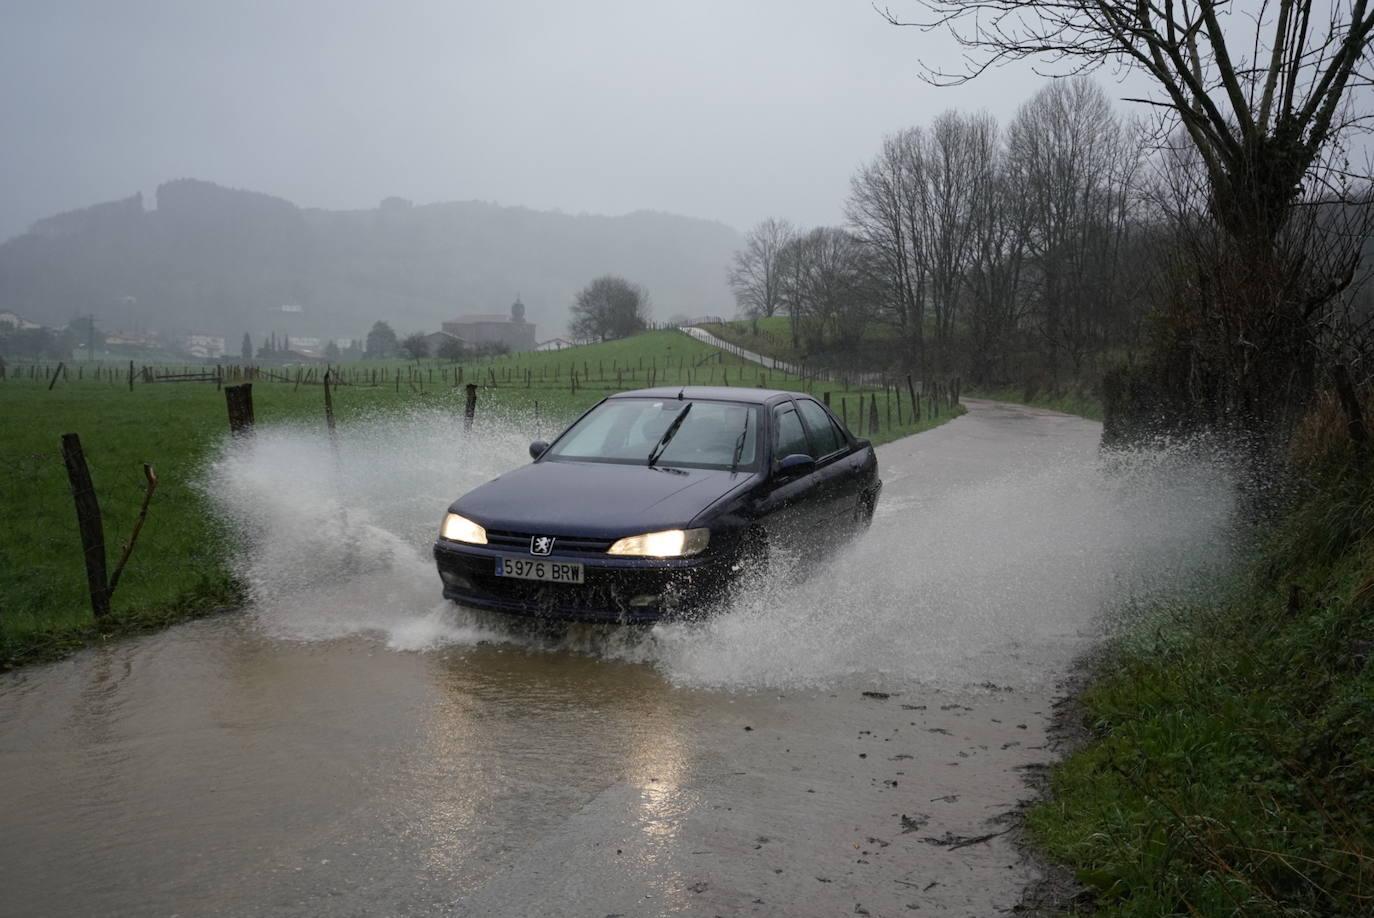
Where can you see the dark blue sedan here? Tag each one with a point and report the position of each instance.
(655, 502)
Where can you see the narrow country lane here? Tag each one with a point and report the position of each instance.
(852, 741)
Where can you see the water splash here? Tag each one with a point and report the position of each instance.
(1001, 580)
(335, 541)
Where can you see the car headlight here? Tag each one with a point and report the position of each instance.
(461, 529)
(673, 543)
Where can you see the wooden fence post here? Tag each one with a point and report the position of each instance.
(470, 407)
(328, 405)
(88, 520)
(239, 400)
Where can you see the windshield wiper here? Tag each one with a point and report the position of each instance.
(739, 443)
(662, 444)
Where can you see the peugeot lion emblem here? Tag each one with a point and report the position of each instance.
(541, 545)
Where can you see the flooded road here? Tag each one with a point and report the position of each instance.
(848, 742)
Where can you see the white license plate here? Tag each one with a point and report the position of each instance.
(530, 569)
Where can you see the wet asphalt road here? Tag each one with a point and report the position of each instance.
(756, 768)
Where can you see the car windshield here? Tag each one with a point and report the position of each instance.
(712, 435)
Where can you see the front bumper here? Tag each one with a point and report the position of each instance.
(622, 590)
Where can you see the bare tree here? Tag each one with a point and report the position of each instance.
(1264, 100)
(830, 287)
(997, 264)
(1077, 167)
(959, 155)
(1202, 285)
(884, 208)
(914, 208)
(609, 307)
(754, 273)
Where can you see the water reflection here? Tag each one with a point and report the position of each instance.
(516, 737)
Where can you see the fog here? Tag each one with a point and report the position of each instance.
(721, 110)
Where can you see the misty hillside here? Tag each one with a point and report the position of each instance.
(219, 260)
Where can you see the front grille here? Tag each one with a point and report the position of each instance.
(562, 545)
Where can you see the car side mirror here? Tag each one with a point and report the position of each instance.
(795, 466)
(537, 448)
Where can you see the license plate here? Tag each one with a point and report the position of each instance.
(529, 569)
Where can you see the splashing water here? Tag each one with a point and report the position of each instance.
(998, 580)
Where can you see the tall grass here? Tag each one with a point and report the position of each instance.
(1232, 770)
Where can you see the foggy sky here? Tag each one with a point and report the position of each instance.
(732, 110)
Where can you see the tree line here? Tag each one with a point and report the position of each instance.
(973, 248)
(1205, 259)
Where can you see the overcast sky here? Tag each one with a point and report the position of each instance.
(732, 110)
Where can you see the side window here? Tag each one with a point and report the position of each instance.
(791, 438)
(824, 433)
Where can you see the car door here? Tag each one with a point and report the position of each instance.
(838, 474)
(789, 512)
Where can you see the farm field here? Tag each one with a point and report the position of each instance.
(177, 569)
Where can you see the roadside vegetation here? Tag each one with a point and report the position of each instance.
(178, 567)
(1231, 764)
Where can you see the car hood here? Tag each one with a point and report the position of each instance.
(595, 499)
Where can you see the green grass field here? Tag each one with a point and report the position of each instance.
(178, 568)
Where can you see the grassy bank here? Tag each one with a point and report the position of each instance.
(1231, 770)
(178, 568)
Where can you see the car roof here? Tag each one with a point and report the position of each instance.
(740, 394)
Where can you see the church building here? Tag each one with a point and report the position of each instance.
(512, 330)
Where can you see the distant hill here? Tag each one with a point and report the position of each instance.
(215, 259)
